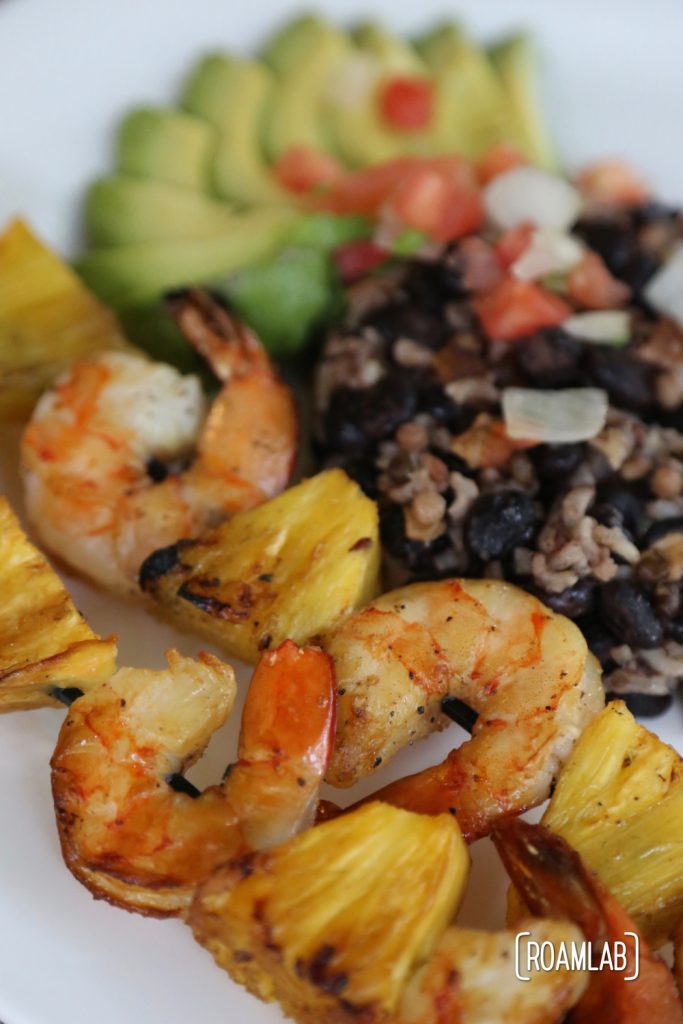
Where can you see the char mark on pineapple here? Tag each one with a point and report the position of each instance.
(161, 562)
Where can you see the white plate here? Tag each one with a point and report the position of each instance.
(68, 69)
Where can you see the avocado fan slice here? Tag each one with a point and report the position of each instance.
(165, 145)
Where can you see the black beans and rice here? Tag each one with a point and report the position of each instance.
(408, 393)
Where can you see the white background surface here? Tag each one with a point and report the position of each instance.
(68, 70)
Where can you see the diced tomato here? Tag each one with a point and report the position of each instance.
(500, 158)
(592, 286)
(440, 197)
(302, 169)
(406, 102)
(613, 182)
(354, 259)
(513, 242)
(365, 191)
(437, 195)
(516, 308)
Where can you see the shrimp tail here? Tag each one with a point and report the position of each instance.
(285, 744)
(554, 882)
(224, 341)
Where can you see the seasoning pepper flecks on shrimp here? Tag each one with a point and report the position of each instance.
(133, 830)
(524, 670)
(123, 455)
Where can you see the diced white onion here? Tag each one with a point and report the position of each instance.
(554, 417)
(664, 291)
(604, 326)
(530, 193)
(549, 252)
(353, 80)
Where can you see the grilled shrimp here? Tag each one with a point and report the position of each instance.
(123, 456)
(523, 672)
(470, 979)
(554, 882)
(133, 830)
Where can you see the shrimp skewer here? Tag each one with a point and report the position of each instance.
(132, 829)
(525, 671)
(122, 455)
(554, 882)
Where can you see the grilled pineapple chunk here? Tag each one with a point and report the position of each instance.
(619, 803)
(47, 319)
(348, 922)
(45, 644)
(333, 922)
(287, 569)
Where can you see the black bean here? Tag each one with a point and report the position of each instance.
(671, 417)
(454, 462)
(662, 528)
(598, 638)
(357, 417)
(619, 497)
(427, 284)
(627, 381)
(407, 320)
(644, 705)
(674, 630)
(639, 268)
(627, 612)
(574, 601)
(550, 359)
(616, 240)
(611, 517)
(393, 533)
(432, 398)
(499, 522)
(613, 238)
(449, 278)
(556, 461)
(419, 557)
(608, 515)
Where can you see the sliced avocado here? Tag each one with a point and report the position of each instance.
(362, 136)
(121, 211)
(286, 300)
(232, 95)
(395, 55)
(470, 107)
(291, 44)
(438, 40)
(165, 145)
(304, 55)
(514, 60)
(325, 231)
(130, 275)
